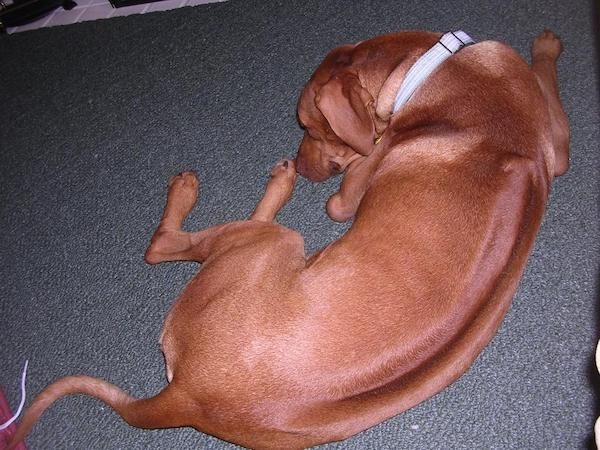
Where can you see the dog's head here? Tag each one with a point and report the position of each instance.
(338, 116)
(346, 105)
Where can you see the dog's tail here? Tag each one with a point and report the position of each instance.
(162, 411)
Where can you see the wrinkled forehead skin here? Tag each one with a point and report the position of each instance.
(319, 142)
(337, 107)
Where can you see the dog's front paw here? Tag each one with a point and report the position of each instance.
(546, 45)
(339, 209)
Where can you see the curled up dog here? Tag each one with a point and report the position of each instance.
(446, 178)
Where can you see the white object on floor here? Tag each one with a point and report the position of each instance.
(9, 422)
(102, 9)
(597, 425)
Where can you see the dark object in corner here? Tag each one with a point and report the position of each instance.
(21, 12)
(122, 3)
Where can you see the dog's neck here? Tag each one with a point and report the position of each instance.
(409, 75)
(449, 44)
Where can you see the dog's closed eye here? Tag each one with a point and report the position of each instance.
(335, 167)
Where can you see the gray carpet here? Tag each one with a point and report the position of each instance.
(96, 116)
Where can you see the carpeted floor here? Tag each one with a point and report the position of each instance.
(96, 117)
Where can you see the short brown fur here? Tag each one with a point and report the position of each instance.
(271, 349)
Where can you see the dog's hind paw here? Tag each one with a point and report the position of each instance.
(285, 168)
(183, 192)
(283, 174)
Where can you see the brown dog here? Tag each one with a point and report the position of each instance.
(270, 349)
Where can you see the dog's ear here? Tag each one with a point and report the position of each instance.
(350, 110)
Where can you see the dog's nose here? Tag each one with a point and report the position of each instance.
(304, 169)
(299, 165)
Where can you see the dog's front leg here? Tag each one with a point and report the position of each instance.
(544, 53)
(342, 205)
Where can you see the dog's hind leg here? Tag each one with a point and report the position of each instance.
(544, 53)
(171, 243)
(278, 192)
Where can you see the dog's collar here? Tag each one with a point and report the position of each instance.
(448, 45)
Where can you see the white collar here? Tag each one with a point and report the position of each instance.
(448, 45)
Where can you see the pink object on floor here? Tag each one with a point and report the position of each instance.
(6, 414)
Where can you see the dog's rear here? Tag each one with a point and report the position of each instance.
(270, 349)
